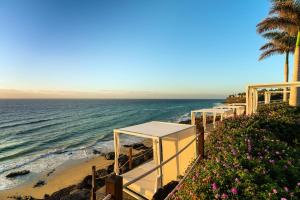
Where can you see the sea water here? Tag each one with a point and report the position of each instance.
(40, 135)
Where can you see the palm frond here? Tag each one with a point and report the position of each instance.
(274, 23)
(269, 53)
(268, 45)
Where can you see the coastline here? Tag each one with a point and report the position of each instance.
(68, 174)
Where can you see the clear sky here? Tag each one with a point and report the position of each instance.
(132, 49)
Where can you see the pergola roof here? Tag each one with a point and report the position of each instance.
(213, 110)
(155, 129)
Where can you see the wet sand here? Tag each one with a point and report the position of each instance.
(68, 174)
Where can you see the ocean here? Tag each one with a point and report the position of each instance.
(40, 135)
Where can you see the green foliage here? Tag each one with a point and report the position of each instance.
(253, 157)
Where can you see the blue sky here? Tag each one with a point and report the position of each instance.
(133, 49)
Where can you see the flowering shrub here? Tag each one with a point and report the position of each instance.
(253, 157)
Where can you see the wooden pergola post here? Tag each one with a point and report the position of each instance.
(200, 142)
(114, 186)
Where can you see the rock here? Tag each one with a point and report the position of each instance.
(101, 173)
(137, 146)
(95, 151)
(52, 171)
(18, 173)
(78, 195)
(86, 183)
(163, 192)
(110, 156)
(46, 196)
(122, 159)
(18, 197)
(110, 168)
(58, 195)
(39, 184)
(137, 161)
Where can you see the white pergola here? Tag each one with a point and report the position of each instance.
(268, 94)
(252, 93)
(238, 110)
(223, 112)
(167, 139)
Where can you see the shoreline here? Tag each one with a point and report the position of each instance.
(69, 173)
(66, 175)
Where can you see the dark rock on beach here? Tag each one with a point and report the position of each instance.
(137, 146)
(39, 183)
(86, 183)
(101, 173)
(163, 192)
(95, 151)
(110, 156)
(60, 194)
(51, 172)
(22, 198)
(78, 195)
(110, 168)
(17, 173)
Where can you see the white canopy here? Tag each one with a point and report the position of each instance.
(155, 129)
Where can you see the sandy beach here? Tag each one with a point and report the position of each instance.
(70, 173)
(65, 175)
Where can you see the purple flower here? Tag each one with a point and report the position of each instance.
(277, 152)
(271, 161)
(224, 196)
(214, 186)
(274, 191)
(234, 190)
(234, 152)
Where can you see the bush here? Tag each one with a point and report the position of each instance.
(254, 157)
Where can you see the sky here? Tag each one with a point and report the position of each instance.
(132, 48)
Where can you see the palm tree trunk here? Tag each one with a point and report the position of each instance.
(286, 75)
(295, 92)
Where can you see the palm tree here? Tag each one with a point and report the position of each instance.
(285, 16)
(280, 43)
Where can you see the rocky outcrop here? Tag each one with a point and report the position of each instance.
(39, 183)
(17, 173)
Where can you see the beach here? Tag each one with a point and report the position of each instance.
(64, 176)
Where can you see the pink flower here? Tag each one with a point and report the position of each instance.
(286, 189)
(234, 190)
(274, 191)
(282, 198)
(298, 183)
(224, 196)
(214, 186)
(271, 161)
(237, 180)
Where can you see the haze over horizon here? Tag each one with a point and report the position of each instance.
(132, 49)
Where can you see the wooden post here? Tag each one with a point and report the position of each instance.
(200, 142)
(130, 158)
(114, 186)
(93, 190)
